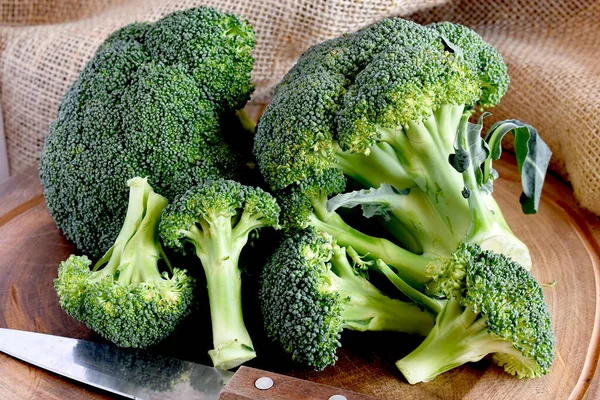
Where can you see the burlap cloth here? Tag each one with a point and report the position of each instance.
(552, 49)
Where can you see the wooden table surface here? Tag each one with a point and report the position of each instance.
(564, 241)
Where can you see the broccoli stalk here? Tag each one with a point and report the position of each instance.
(475, 318)
(411, 266)
(310, 292)
(126, 298)
(139, 190)
(459, 336)
(366, 308)
(216, 219)
(218, 246)
(139, 260)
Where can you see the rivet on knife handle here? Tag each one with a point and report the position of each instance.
(254, 384)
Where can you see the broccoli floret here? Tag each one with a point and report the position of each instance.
(485, 304)
(381, 108)
(125, 297)
(216, 219)
(151, 102)
(310, 292)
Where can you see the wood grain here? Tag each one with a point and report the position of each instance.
(565, 245)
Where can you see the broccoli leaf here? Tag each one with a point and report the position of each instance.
(471, 151)
(533, 156)
(374, 201)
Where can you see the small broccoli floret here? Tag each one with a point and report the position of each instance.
(310, 292)
(125, 297)
(216, 219)
(487, 304)
(153, 101)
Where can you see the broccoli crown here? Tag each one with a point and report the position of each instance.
(513, 303)
(301, 309)
(150, 102)
(510, 300)
(214, 199)
(125, 297)
(129, 315)
(387, 74)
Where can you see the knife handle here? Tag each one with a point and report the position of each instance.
(243, 386)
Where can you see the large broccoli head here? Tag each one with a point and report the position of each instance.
(387, 75)
(151, 102)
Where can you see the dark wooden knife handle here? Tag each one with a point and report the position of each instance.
(242, 387)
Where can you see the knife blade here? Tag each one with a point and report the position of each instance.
(139, 374)
(130, 373)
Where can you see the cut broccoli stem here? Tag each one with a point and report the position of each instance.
(459, 336)
(247, 123)
(367, 308)
(138, 197)
(411, 266)
(139, 260)
(231, 341)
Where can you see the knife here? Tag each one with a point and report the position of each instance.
(138, 374)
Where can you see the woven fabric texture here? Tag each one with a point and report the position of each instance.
(551, 48)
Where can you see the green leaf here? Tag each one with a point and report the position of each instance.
(533, 156)
(375, 201)
(452, 47)
(470, 149)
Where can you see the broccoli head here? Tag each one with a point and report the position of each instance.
(372, 118)
(151, 102)
(485, 304)
(125, 297)
(310, 292)
(216, 218)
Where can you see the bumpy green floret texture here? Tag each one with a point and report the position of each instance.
(138, 315)
(296, 200)
(310, 291)
(214, 199)
(216, 219)
(125, 297)
(298, 311)
(385, 75)
(512, 302)
(398, 87)
(491, 305)
(149, 103)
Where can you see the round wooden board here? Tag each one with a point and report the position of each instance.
(564, 243)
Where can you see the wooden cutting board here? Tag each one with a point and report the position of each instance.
(565, 245)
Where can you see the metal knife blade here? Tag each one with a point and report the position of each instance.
(128, 372)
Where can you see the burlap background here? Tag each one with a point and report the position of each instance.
(552, 49)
